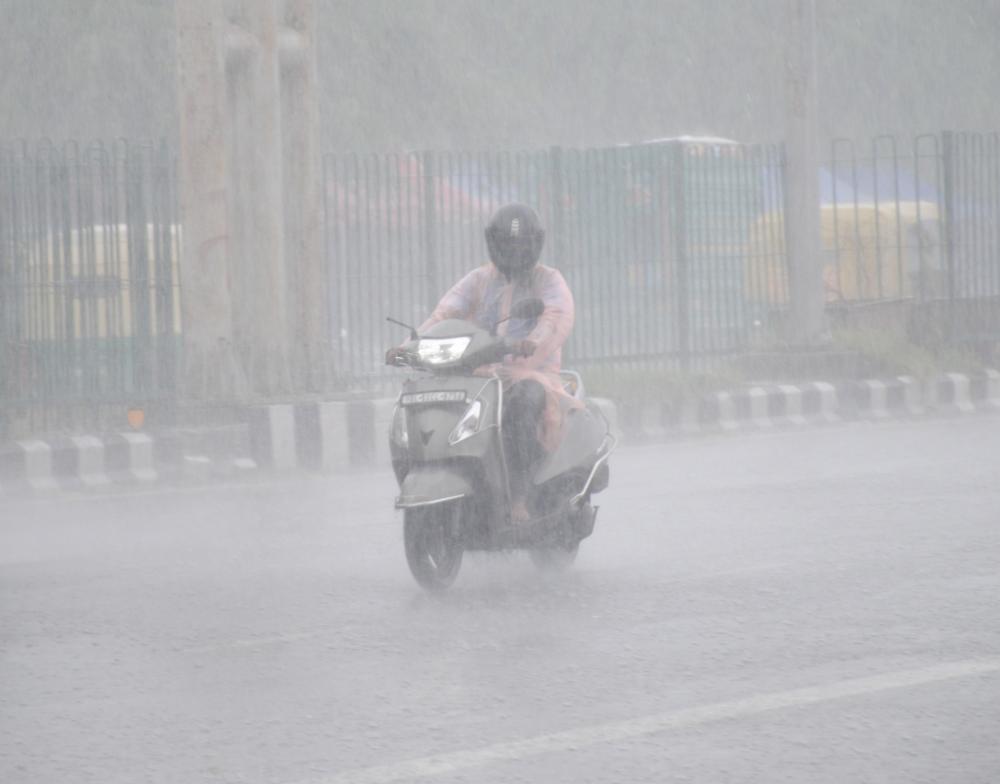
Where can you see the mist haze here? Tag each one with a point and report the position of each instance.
(549, 391)
(473, 75)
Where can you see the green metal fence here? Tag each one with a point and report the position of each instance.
(971, 182)
(664, 245)
(89, 288)
(674, 251)
(917, 222)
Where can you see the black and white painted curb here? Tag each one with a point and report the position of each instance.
(331, 435)
(326, 435)
(769, 406)
(77, 462)
(92, 462)
(336, 436)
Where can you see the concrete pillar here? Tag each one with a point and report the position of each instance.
(254, 293)
(302, 183)
(253, 101)
(210, 370)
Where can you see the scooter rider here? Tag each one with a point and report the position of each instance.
(535, 399)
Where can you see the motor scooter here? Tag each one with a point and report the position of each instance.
(447, 450)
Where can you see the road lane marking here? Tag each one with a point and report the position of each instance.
(582, 737)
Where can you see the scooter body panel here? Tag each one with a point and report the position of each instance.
(583, 436)
(426, 485)
(441, 467)
(430, 425)
(438, 460)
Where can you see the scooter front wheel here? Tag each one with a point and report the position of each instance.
(433, 545)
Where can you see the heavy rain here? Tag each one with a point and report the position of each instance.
(466, 391)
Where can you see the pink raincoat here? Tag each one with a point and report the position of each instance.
(485, 296)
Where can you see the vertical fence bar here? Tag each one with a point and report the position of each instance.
(89, 293)
(860, 277)
(700, 255)
(678, 230)
(397, 266)
(993, 164)
(10, 290)
(642, 175)
(336, 228)
(429, 204)
(741, 247)
(377, 274)
(719, 236)
(964, 233)
(922, 233)
(615, 250)
(894, 157)
(658, 254)
(708, 214)
(732, 185)
(329, 255)
(978, 171)
(367, 269)
(948, 224)
(836, 217)
(614, 247)
(554, 161)
(876, 216)
(351, 258)
(483, 204)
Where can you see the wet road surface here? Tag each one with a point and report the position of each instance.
(818, 606)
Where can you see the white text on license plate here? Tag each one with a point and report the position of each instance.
(419, 398)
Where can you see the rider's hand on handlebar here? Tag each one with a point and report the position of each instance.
(394, 355)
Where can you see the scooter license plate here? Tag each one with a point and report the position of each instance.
(424, 398)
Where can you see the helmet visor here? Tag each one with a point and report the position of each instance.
(512, 253)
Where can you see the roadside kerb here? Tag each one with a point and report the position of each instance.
(92, 462)
(340, 435)
(818, 402)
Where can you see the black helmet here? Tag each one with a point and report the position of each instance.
(514, 238)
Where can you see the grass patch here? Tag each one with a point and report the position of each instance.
(873, 353)
(641, 385)
(887, 354)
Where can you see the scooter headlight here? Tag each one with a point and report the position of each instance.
(469, 424)
(441, 351)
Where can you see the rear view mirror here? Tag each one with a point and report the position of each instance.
(527, 309)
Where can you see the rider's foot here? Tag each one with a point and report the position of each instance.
(519, 513)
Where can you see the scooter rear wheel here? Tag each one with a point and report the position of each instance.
(433, 546)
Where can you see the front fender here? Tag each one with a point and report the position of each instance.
(429, 485)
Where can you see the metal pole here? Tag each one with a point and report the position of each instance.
(807, 321)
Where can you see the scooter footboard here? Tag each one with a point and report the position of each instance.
(430, 485)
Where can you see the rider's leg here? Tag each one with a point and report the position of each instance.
(524, 405)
